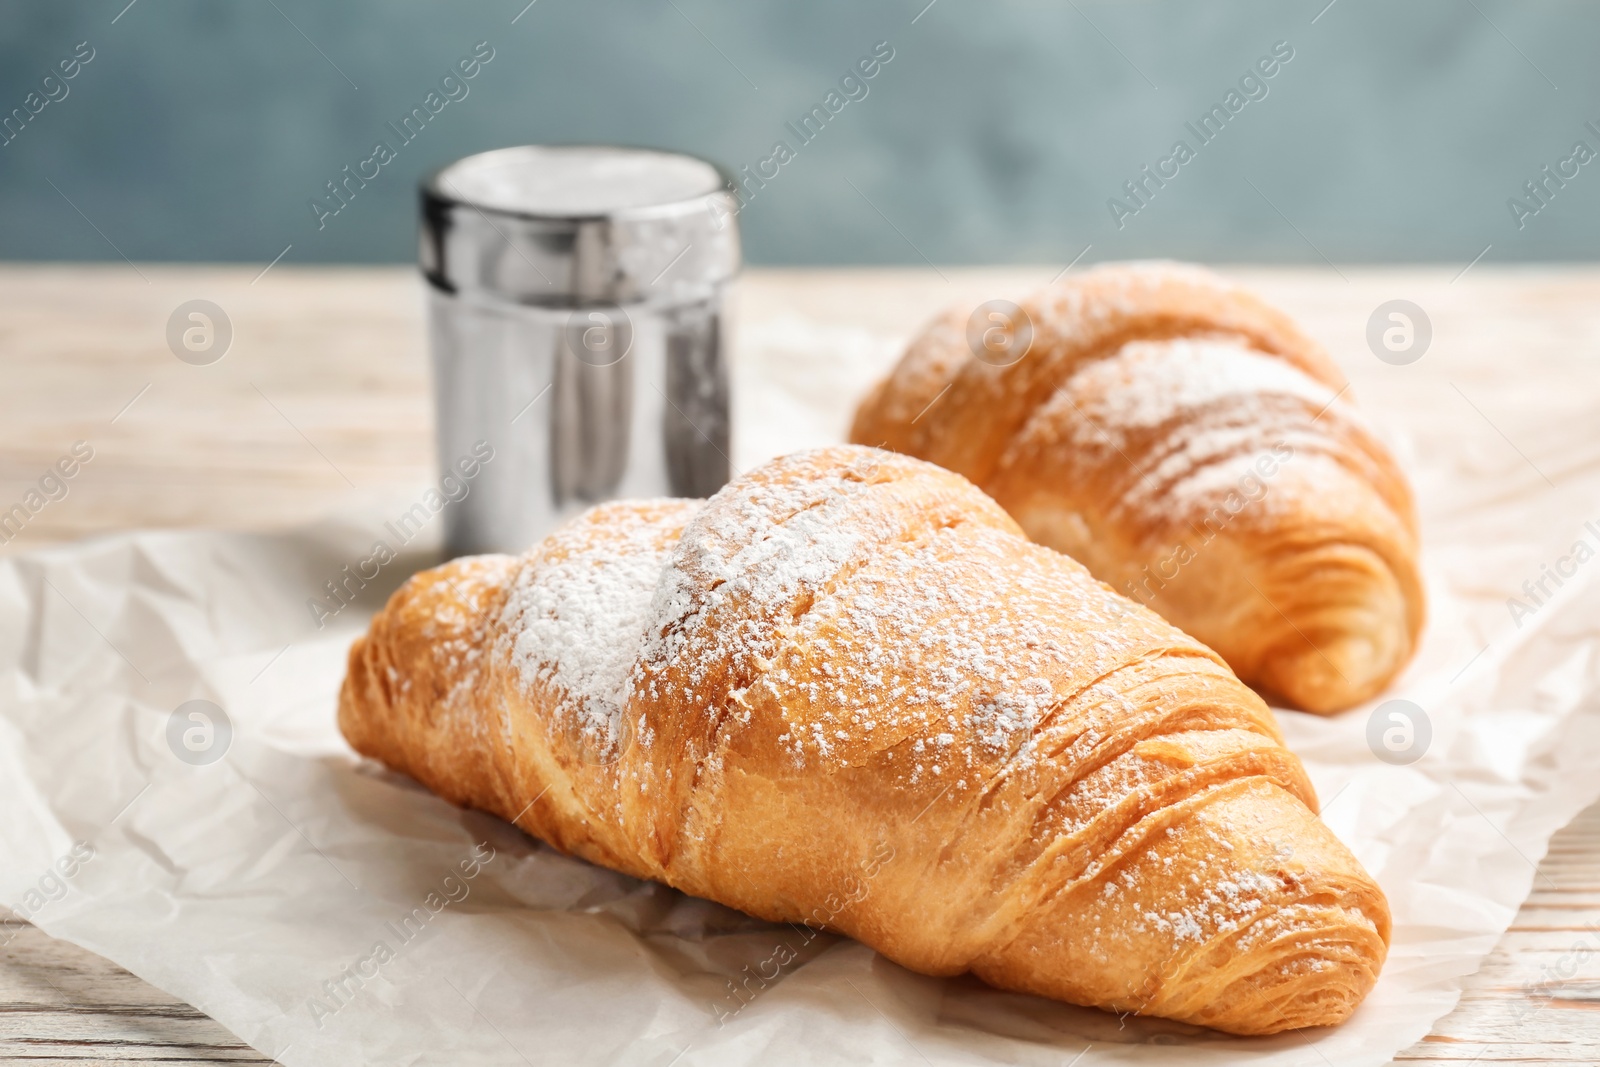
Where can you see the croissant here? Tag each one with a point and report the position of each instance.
(848, 692)
(1194, 449)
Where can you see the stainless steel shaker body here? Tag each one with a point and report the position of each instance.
(576, 322)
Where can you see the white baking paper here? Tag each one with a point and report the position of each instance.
(331, 913)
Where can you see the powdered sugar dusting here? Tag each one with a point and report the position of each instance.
(1148, 383)
(875, 601)
(953, 648)
(764, 544)
(971, 676)
(456, 629)
(1189, 422)
(577, 616)
(1078, 311)
(1219, 897)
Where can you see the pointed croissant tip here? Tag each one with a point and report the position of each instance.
(1338, 673)
(1310, 962)
(1318, 987)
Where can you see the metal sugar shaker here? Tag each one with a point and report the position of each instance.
(575, 306)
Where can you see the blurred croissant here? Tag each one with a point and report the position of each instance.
(847, 691)
(1193, 449)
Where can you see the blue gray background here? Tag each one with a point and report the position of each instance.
(998, 132)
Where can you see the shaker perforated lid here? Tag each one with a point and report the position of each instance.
(569, 225)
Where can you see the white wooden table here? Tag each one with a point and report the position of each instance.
(323, 397)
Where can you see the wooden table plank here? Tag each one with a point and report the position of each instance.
(61, 1004)
(322, 400)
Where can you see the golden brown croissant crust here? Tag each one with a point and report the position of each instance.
(1195, 450)
(847, 692)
